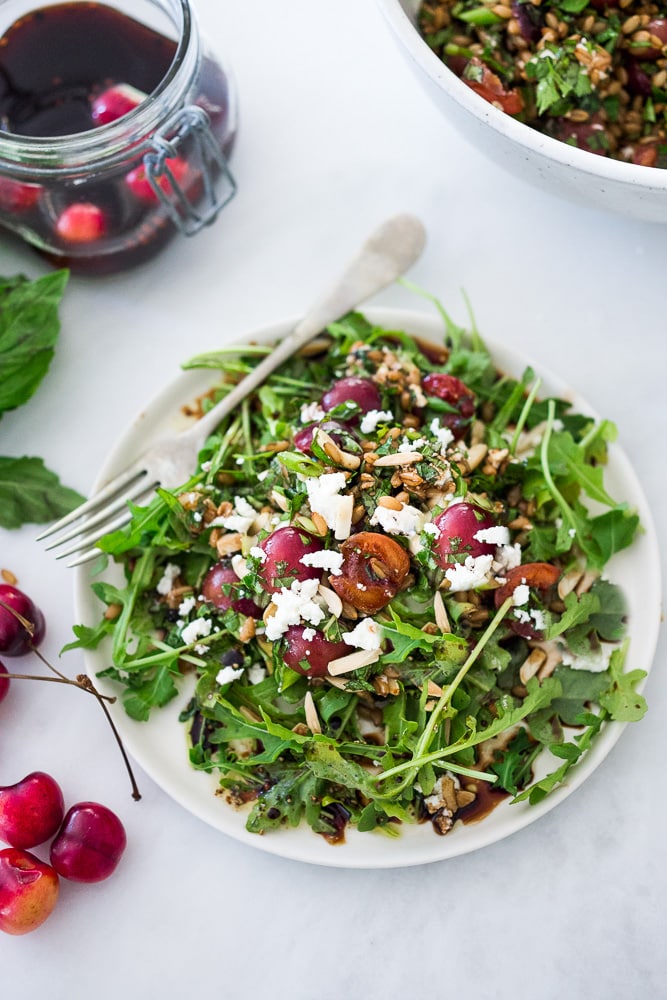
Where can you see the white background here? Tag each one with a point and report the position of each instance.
(335, 136)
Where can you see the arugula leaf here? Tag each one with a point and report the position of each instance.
(579, 689)
(29, 492)
(621, 699)
(569, 753)
(29, 328)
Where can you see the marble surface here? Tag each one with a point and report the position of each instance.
(335, 136)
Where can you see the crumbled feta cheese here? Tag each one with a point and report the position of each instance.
(596, 660)
(406, 521)
(371, 419)
(171, 571)
(186, 606)
(520, 595)
(407, 446)
(572, 532)
(469, 574)
(228, 674)
(261, 476)
(366, 634)
(310, 412)
(196, 517)
(206, 466)
(292, 605)
(432, 529)
(497, 535)
(539, 619)
(256, 673)
(325, 500)
(242, 518)
(327, 559)
(197, 629)
(443, 434)
(257, 553)
(506, 557)
(522, 616)
(308, 634)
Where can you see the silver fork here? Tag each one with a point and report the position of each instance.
(169, 463)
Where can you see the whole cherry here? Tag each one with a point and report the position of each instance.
(28, 891)
(89, 844)
(30, 810)
(81, 222)
(15, 639)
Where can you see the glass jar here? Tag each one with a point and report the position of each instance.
(116, 126)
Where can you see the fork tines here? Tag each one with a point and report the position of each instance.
(95, 518)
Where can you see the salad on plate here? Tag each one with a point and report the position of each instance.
(382, 596)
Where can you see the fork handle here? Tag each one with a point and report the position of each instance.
(383, 258)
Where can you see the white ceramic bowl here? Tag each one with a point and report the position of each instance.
(634, 191)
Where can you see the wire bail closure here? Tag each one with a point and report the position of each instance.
(189, 125)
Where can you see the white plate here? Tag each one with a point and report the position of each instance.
(160, 745)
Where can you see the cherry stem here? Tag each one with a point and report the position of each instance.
(82, 681)
(58, 680)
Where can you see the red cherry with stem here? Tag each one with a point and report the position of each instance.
(82, 223)
(31, 810)
(115, 102)
(4, 682)
(15, 638)
(28, 891)
(89, 844)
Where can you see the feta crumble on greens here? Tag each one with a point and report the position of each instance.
(428, 633)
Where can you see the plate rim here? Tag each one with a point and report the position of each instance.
(357, 853)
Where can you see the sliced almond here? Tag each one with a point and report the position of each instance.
(531, 664)
(441, 618)
(399, 458)
(9, 577)
(476, 455)
(331, 599)
(312, 718)
(586, 582)
(360, 658)
(568, 582)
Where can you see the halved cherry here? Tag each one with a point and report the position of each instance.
(374, 569)
(540, 576)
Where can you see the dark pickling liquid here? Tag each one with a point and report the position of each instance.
(54, 62)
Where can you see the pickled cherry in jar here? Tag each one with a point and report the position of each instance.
(115, 130)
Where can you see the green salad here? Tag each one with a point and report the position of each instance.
(381, 597)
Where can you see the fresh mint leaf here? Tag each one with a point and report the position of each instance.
(29, 327)
(31, 493)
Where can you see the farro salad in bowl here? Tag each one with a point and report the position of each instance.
(395, 609)
(570, 95)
